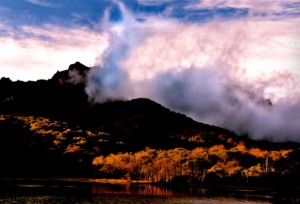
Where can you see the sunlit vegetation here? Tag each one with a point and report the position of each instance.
(103, 155)
(61, 135)
(53, 141)
(199, 164)
(51, 129)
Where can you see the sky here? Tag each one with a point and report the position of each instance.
(216, 61)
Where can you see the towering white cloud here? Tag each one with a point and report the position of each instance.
(219, 72)
(217, 61)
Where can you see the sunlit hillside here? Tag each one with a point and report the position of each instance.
(49, 128)
(99, 154)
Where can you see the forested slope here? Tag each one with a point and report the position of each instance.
(50, 128)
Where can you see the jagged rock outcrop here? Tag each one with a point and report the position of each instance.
(76, 74)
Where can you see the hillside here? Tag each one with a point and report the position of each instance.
(49, 128)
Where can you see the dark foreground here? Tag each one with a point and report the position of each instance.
(71, 191)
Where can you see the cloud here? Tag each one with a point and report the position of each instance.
(197, 10)
(155, 2)
(216, 61)
(256, 7)
(41, 51)
(45, 3)
(246, 49)
(218, 72)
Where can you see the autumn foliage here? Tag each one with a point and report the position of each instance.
(102, 155)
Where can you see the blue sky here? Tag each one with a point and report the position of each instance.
(39, 37)
(188, 55)
(87, 13)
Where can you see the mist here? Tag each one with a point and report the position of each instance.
(239, 74)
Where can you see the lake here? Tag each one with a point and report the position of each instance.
(37, 191)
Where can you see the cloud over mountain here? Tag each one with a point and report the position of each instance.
(221, 72)
(218, 61)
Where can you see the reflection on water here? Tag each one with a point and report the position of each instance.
(118, 200)
(132, 189)
(37, 192)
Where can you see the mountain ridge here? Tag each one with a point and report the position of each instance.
(50, 128)
(63, 98)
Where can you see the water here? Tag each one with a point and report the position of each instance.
(104, 199)
(58, 192)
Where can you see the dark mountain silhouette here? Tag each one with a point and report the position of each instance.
(76, 74)
(54, 95)
(50, 128)
(138, 122)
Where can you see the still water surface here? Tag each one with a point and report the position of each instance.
(90, 193)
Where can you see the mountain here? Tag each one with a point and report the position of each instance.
(138, 123)
(50, 128)
(76, 74)
(64, 91)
